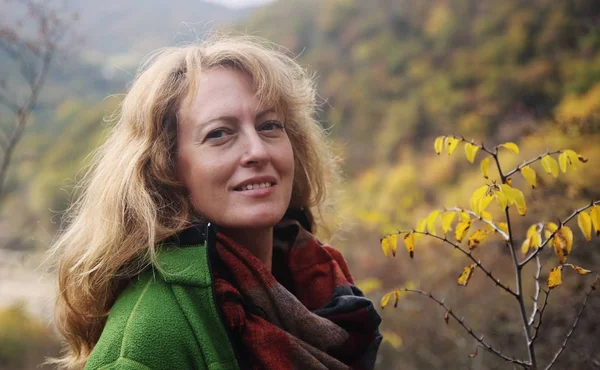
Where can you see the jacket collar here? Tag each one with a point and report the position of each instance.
(183, 258)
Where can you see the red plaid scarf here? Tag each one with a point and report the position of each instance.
(306, 315)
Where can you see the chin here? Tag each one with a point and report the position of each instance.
(257, 220)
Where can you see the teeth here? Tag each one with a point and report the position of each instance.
(261, 185)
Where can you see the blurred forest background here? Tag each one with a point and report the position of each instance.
(392, 75)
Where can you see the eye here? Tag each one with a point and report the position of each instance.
(216, 135)
(271, 126)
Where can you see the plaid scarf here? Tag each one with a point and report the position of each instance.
(306, 314)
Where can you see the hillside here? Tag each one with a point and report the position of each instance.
(394, 73)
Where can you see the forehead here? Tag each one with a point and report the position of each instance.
(222, 91)
(217, 86)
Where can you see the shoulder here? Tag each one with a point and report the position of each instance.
(147, 327)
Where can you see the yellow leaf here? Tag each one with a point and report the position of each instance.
(550, 165)
(562, 161)
(421, 227)
(386, 299)
(393, 243)
(452, 143)
(508, 193)
(580, 270)
(511, 146)
(529, 175)
(409, 242)
(515, 196)
(392, 338)
(550, 228)
(533, 239)
(503, 226)
(559, 251)
(563, 242)
(476, 198)
(486, 216)
(485, 167)
(584, 221)
(595, 217)
(573, 158)
(465, 217)
(461, 230)
(385, 246)
(533, 229)
(520, 202)
(471, 151)
(466, 274)
(525, 246)
(568, 235)
(438, 145)
(502, 200)
(536, 241)
(477, 237)
(555, 278)
(431, 219)
(368, 286)
(447, 219)
(483, 203)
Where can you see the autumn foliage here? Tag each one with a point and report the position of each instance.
(466, 229)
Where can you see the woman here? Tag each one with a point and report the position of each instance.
(190, 246)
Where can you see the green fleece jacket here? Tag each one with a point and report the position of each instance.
(167, 321)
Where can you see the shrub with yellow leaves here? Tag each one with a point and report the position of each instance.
(479, 222)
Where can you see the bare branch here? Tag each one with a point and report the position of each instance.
(574, 326)
(33, 57)
(527, 163)
(461, 322)
(462, 138)
(541, 311)
(537, 290)
(470, 255)
(518, 270)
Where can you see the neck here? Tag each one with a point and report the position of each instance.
(258, 241)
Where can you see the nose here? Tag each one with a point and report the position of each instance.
(256, 152)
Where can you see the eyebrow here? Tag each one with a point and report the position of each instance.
(233, 118)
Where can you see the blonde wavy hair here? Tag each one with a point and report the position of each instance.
(130, 197)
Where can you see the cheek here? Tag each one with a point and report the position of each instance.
(288, 160)
(191, 172)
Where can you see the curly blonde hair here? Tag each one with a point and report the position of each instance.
(131, 198)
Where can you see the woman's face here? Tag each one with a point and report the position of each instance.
(234, 155)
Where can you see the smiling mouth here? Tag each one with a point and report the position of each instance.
(261, 185)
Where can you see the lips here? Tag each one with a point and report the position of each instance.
(256, 183)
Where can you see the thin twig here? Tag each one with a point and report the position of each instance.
(480, 218)
(575, 322)
(470, 255)
(483, 148)
(518, 271)
(537, 290)
(537, 251)
(541, 311)
(461, 322)
(510, 173)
